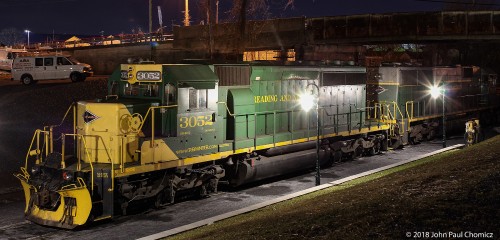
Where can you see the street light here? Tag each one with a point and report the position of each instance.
(28, 32)
(187, 18)
(307, 102)
(435, 92)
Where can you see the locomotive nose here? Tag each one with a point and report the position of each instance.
(67, 207)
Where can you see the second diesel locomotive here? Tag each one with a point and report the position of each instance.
(165, 130)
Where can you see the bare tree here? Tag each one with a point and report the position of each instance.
(240, 12)
(11, 36)
(255, 9)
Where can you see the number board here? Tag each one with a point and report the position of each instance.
(133, 73)
(148, 76)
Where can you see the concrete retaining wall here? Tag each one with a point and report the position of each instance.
(106, 59)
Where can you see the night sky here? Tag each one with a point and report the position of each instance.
(90, 17)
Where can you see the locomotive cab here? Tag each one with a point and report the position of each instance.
(120, 143)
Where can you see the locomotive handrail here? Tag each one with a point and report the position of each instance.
(48, 133)
(63, 164)
(36, 152)
(81, 138)
(73, 185)
(151, 109)
(374, 108)
(380, 107)
(29, 149)
(396, 107)
(262, 112)
(391, 115)
(71, 106)
(410, 116)
(112, 163)
(321, 108)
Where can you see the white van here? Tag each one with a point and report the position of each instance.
(33, 68)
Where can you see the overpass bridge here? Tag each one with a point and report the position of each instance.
(324, 38)
(420, 27)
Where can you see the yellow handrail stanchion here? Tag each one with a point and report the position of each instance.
(51, 139)
(79, 136)
(152, 127)
(63, 151)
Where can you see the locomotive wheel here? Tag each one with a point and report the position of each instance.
(375, 149)
(336, 157)
(431, 135)
(123, 203)
(384, 145)
(202, 192)
(160, 199)
(357, 152)
(396, 143)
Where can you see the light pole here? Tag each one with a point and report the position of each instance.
(444, 115)
(435, 92)
(187, 18)
(150, 18)
(306, 102)
(28, 32)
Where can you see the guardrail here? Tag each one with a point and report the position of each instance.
(99, 41)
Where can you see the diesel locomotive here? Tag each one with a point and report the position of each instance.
(165, 130)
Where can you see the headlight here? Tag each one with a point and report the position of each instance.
(67, 176)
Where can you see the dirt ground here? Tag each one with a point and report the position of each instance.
(23, 109)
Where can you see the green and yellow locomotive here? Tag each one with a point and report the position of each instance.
(466, 92)
(166, 130)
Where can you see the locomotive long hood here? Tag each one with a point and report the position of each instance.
(73, 210)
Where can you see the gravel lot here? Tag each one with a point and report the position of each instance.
(23, 109)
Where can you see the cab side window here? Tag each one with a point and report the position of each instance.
(48, 61)
(39, 62)
(197, 98)
(170, 94)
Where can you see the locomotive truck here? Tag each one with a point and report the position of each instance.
(165, 130)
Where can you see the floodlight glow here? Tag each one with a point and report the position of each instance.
(306, 101)
(435, 91)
